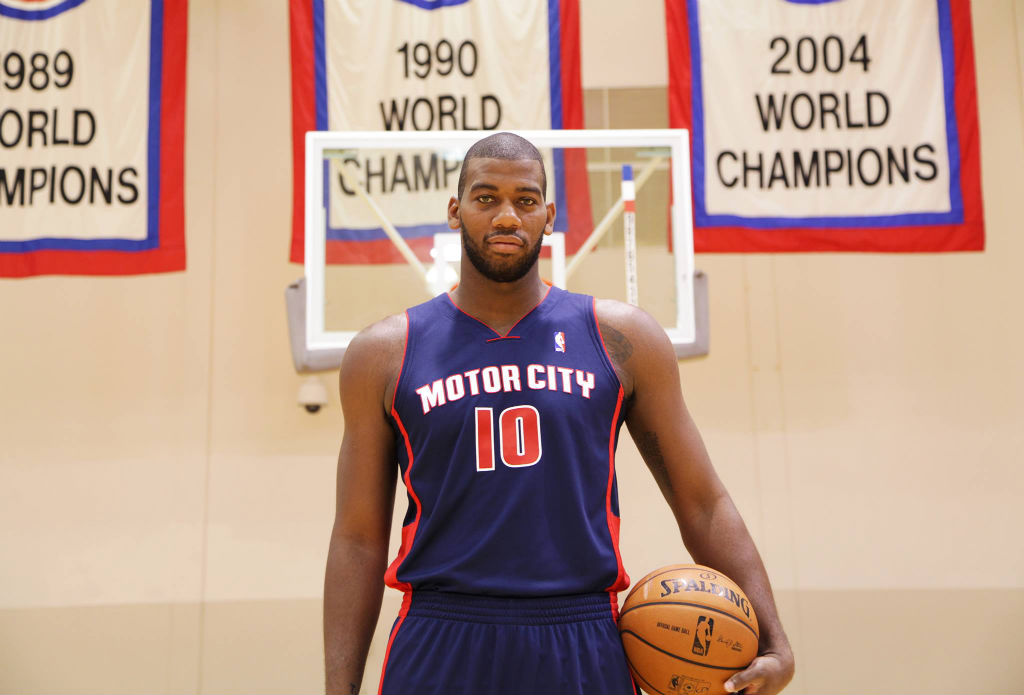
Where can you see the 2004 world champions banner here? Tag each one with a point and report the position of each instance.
(92, 105)
(428, 65)
(826, 125)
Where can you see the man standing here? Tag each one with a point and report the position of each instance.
(502, 401)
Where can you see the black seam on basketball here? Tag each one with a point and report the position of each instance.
(676, 568)
(634, 669)
(694, 605)
(682, 658)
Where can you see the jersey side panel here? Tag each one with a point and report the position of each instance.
(404, 453)
(612, 502)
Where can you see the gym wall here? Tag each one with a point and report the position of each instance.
(165, 504)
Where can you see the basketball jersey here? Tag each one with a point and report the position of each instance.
(506, 445)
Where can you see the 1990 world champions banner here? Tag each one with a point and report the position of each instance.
(428, 65)
(92, 103)
(828, 125)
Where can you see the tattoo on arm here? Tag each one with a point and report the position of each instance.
(650, 449)
(353, 689)
(618, 345)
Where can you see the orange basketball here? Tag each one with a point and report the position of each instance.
(686, 629)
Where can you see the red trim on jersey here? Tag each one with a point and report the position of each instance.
(508, 334)
(621, 579)
(408, 531)
(406, 601)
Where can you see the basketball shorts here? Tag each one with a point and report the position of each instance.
(457, 643)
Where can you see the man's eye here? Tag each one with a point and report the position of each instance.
(527, 201)
(485, 198)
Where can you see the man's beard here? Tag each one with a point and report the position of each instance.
(509, 271)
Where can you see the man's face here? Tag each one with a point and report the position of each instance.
(502, 216)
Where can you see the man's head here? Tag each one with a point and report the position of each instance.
(500, 207)
(503, 146)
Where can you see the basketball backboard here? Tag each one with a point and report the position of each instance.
(376, 238)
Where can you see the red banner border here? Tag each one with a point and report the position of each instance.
(169, 256)
(967, 236)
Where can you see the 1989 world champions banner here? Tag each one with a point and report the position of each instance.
(828, 125)
(92, 104)
(428, 65)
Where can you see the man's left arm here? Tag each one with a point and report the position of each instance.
(672, 448)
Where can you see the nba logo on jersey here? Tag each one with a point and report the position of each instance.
(559, 341)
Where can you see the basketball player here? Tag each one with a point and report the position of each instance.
(501, 401)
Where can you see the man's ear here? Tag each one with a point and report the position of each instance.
(549, 227)
(453, 213)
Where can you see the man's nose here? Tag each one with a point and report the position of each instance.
(506, 217)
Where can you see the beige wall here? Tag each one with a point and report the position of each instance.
(165, 504)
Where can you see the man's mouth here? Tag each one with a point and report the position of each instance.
(506, 243)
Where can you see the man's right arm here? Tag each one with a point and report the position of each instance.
(357, 559)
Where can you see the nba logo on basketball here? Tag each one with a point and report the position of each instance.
(559, 341)
(702, 635)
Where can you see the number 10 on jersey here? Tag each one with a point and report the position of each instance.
(518, 437)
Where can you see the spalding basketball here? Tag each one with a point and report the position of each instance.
(687, 629)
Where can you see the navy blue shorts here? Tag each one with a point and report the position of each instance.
(456, 643)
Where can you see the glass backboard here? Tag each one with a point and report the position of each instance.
(377, 242)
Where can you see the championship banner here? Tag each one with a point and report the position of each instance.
(92, 114)
(828, 125)
(428, 65)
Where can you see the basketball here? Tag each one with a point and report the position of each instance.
(687, 629)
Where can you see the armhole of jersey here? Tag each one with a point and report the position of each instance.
(409, 530)
(405, 356)
(599, 341)
(621, 581)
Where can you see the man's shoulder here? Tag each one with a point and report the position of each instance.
(385, 327)
(382, 334)
(376, 351)
(629, 332)
(624, 317)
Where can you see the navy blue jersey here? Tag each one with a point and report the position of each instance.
(507, 447)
